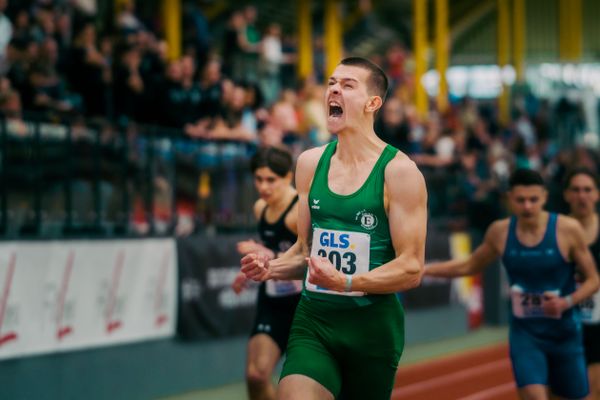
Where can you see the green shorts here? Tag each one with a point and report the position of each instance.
(351, 350)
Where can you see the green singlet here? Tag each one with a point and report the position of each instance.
(350, 343)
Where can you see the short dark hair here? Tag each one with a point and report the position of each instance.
(378, 81)
(580, 171)
(525, 177)
(277, 160)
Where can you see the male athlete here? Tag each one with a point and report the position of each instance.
(581, 192)
(540, 252)
(277, 215)
(362, 216)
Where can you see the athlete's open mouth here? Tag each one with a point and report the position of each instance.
(335, 110)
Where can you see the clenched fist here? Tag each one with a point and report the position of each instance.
(323, 274)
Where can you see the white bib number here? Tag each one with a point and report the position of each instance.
(590, 309)
(283, 288)
(529, 304)
(348, 251)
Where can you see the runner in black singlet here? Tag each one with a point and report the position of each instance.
(277, 215)
(581, 192)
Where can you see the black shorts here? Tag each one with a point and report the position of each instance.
(591, 343)
(274, 316)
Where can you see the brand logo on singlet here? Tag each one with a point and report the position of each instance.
(367, 220)
(315, 205)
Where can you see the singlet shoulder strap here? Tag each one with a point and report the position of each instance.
(323, 164)
(283, 214)
(264, 212)
(289, 208)
(511, 238)
(550, 235)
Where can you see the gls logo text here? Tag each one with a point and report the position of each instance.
(329, 239)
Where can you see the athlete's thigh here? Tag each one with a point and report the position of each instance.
(594, 378)
(371, 348)
(533, 392)
(308, 352)
(529, 362)
(300, 387)
(263, 354)
(568, 375)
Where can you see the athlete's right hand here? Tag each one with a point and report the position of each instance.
(256, 267)
(239, 283)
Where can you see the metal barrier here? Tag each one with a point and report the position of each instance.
(74, 179)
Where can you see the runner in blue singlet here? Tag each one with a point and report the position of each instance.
(540, 252)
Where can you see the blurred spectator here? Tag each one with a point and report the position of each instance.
(482, 205)
(127, 21)
(315, 114)
(271, 58)
(430, 154)
(46, 91)
(285, 116)
(395, 59)
(270, 135)
(184, 96)
(10, 108)
(21, 29)
(391, 125)
(128, 85)
(236, 121)
(234, 46)
(196, 31)
(89, 71)
(251, 45)
(17, 64)
(6, 31)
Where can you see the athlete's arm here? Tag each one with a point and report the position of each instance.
(292, 264)
(484, 255)
(570, 229)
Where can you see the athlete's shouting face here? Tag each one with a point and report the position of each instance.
(527, 201)
(348, 100)
(270, 186)
(582, 195)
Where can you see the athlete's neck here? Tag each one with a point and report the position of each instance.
(533, 224)
(281, 203)
(356, 146)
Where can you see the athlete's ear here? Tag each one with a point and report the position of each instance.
(374, 104)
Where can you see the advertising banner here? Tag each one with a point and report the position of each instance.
(208, 305)
(66, 295)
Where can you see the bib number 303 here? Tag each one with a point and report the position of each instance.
(347, 251)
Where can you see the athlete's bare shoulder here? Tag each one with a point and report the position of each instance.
(568, 227)
(310, 158)
(306, 166)
(499, 226)
(497, 233)
(401, 170)
(259, 206)
(567, 223)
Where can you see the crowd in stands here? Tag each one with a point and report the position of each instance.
(238, 83)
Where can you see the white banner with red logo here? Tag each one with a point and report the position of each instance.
(66, 295)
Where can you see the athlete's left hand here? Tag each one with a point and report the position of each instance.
(322, 273)
(554, 305)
